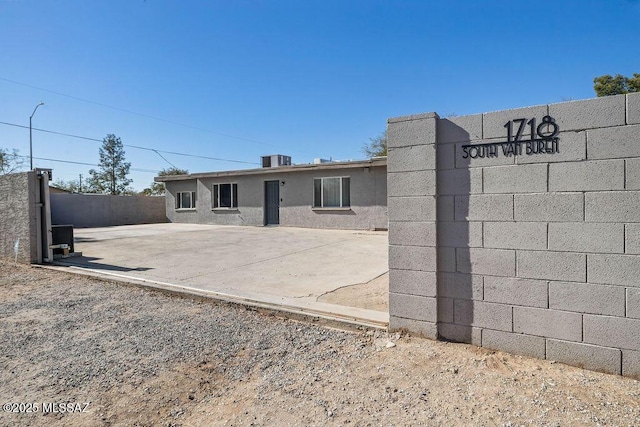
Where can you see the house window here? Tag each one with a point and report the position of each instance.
(186, 200)
(225, 196)
(331, 192)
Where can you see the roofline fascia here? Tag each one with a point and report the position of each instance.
(374, 162)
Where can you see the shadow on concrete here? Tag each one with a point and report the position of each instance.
(333, 212)
(84, 239)
(90, 262)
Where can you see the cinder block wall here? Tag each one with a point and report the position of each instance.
(536, 254)
(103, 210)
(411, 191)
(18, 216)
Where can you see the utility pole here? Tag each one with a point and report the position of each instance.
(80, 187)
(31, 137)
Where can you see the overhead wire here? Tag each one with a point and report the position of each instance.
(133, 146)
(145, 115)
(87, 164)
(163, 158)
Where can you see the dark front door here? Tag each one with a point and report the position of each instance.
(271, 202)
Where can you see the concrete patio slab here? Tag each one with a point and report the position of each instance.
(281, 266)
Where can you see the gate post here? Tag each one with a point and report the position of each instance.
(411, 188)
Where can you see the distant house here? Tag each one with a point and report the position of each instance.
(347, 195)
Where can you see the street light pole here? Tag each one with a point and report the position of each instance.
(31, 137)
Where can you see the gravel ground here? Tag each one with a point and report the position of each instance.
(141, 357)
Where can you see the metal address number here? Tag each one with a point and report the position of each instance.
(543, 140)
(546, 130)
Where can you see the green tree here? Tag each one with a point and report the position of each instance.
(158, 188)
(376, 146)
(111, 178)
(615, 85)
(634, 83)
(10, 161)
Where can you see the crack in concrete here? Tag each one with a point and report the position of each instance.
(305, 296)
(348, 286)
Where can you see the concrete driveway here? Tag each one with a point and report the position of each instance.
(293, 268)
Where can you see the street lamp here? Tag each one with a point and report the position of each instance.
(31, 137)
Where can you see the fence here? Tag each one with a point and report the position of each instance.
(519, 230)
(100, 210)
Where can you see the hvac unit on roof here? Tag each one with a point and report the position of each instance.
(275, 160)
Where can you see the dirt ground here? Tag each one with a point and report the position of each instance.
(140, 357)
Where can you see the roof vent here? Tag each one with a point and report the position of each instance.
(275, 160)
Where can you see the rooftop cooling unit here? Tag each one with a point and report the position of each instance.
(275, 160)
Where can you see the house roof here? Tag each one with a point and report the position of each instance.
(54, 189)
(374, 162)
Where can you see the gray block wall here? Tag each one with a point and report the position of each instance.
(413, 258)
(536, 254)
(102, 210)
(18, 216)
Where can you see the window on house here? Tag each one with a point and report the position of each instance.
(331, 192)
(225, 196)
(186, 200)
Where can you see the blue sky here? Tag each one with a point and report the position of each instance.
(239, 79)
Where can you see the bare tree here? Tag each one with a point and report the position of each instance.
(377, 146)
(10, 161)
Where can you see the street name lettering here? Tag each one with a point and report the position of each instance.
(543, 140)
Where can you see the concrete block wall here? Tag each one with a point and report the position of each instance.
(536, 254)
(413, 257)
(18, 216)
(103, 210)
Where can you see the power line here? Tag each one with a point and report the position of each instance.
(163, 158)
(145, 115)
(88, 164)
(133, 146)
(51, 131)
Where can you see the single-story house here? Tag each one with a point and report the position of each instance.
(347, 195)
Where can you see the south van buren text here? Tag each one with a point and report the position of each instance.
(512, 148)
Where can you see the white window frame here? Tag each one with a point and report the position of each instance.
(322, 206)
(215, 203)
(192, 199)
